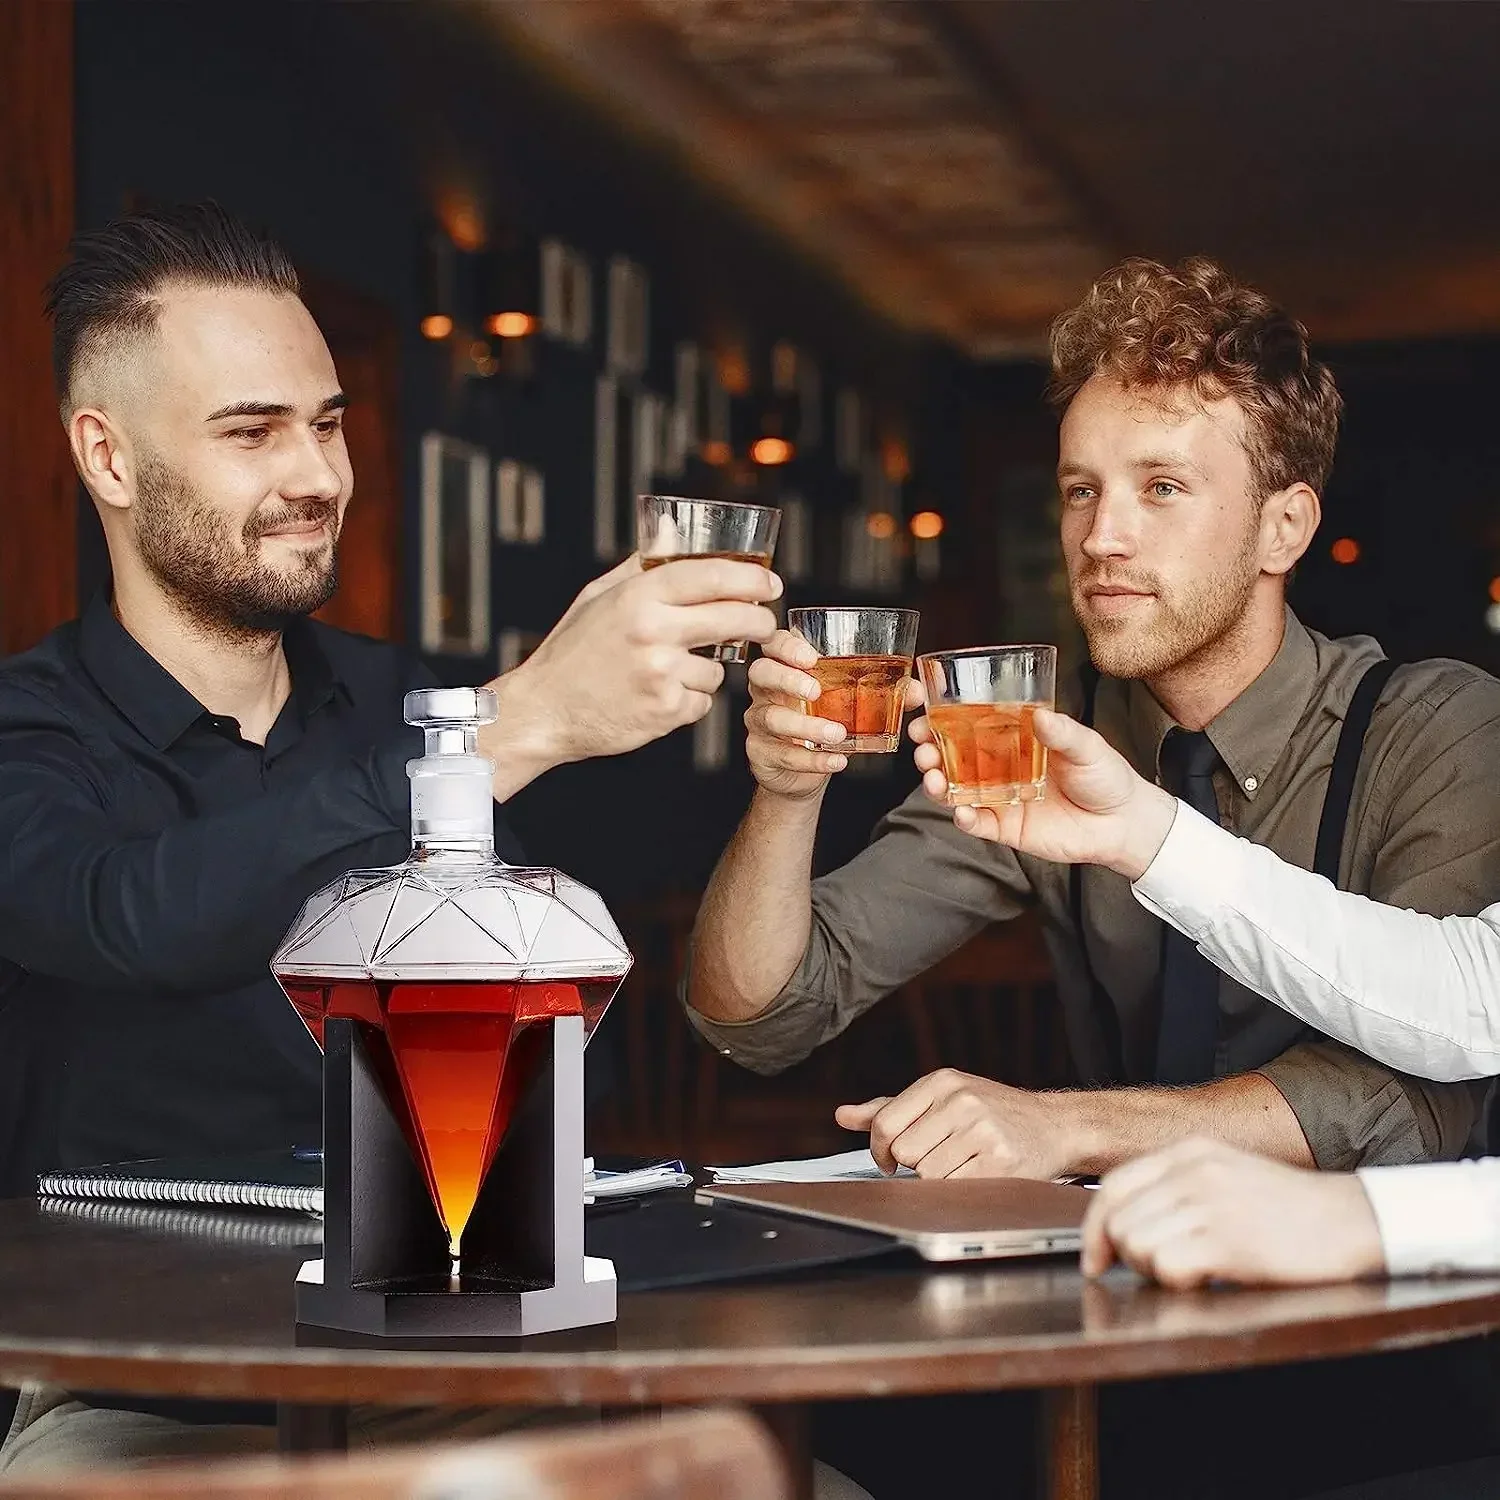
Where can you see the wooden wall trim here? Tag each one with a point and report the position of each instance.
(39, 509)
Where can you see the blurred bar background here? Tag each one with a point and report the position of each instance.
(802, 251)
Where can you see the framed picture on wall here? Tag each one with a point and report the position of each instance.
(607, 467)
(455, 525)
(520, 503)
(651, 452)
(631, 443)
(567, 294)
(628, 349)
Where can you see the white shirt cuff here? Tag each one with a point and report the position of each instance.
(1437, 1219)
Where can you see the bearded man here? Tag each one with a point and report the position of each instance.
(185, 764)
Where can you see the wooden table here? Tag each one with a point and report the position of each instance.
(91, 1306)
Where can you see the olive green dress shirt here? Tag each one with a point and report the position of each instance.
(1423, 833)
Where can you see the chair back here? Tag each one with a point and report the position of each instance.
(709, 1455)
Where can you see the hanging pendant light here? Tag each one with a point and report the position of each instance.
(438, 292)
(510, 292)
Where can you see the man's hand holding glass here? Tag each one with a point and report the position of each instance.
(793, 751)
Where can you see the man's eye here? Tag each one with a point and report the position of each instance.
(327, 427)
(250, 434)
(1078, 494)
(1164, 489)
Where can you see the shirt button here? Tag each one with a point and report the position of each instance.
(725, 1052)
(1251, 783)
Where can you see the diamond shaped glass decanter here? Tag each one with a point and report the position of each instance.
(452, 968)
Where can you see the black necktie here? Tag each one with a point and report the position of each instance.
(1189, 1030)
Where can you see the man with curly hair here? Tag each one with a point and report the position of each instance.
(1197, 433)
(1196, 437)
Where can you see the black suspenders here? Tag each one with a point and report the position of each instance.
(1340, 793)
(1329, 849)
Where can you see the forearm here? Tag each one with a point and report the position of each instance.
(1108, 1127)
(524, 740)
(756, 914)
(1411, 990)
(198, 906)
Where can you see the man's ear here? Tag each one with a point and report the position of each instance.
(103, 456)
(1289, 520)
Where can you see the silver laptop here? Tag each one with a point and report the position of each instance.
(943, 1220)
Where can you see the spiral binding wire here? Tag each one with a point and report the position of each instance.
(303, 1199)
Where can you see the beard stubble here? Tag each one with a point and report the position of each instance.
(219, 582)
(1187, 624)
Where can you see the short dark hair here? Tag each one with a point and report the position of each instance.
(1158, 328)
(108, 286)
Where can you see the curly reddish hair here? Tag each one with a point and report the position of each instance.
(1192, 326)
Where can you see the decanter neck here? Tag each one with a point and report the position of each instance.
(452, 803)
(452, 785)
(451, 739)
(453, 854)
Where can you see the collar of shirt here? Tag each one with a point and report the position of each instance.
(1252, 732)
(159, 706)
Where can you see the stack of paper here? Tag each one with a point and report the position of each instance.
(652, 1179)
(847, 1166)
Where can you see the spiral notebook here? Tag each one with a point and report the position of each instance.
(287, 1180)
